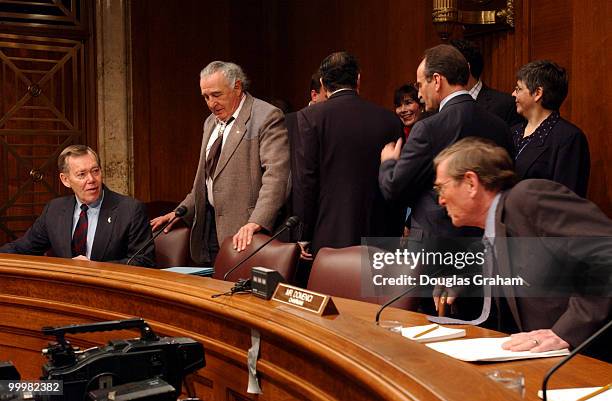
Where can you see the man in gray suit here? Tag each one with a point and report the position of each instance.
(557, 243)
(93, 224)
(241, 181)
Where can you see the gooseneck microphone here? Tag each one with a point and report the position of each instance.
(389, 302)
(179, 212)
(290, 223)
(571, 355)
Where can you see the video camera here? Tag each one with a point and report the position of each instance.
(148, 368)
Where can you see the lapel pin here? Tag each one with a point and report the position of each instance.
(109, 220)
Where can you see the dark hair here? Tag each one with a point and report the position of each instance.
(448, 62)
(74, 151)
(315, 82)
(472, 55)
(548, 75)
(339, 70)
(490, 162)
(402, 92)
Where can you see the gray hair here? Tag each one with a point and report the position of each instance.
(232, 72)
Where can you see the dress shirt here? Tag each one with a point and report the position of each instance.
(476, 89)
(92, 220)
(213, 138)
(452, 95)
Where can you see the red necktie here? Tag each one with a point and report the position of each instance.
(79, 238)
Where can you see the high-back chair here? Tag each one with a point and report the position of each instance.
(338, 272)
(172, 248)
(280, 256)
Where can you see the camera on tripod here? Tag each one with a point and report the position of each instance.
(150, 368)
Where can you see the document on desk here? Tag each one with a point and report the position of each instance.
(194, 271)
(576, 394)
(487, 350)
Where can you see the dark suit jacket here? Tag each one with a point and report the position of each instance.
(537, 209)
(123, 228)
(563, 157)
(499, 103)
(410, 179)
(336, 191)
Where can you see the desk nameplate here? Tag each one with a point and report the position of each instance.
(303, 299)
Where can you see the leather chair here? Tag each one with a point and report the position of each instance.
(277, 255)
(337, 272)
(172, 249)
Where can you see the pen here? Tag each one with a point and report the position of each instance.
(429, 330)
(596, 392)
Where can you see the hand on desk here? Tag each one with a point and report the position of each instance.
(535, 341)
(80, 257)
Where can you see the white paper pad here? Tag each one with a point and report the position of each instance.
(439, 334)
(487, 349)
(572, 394)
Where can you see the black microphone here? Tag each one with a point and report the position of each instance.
(179, 212)
(571, 355)
(290, 223)
(389, 302)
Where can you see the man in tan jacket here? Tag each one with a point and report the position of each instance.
(241, 181)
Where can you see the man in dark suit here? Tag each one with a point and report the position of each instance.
(336, 192)
(558, 244)
(405, 173)
(94, 224)
(499, 103)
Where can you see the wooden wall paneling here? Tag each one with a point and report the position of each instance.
(591, 91)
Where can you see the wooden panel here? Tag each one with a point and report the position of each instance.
(302, 356)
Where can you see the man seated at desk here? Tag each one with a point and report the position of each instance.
(94, 224)
(475, 182)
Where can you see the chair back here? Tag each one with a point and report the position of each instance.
(338, 272)
(277, 255)
(172, 249)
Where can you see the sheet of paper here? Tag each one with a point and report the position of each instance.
(487, 349)
(572, 394)
(197, 271)
(440, 333)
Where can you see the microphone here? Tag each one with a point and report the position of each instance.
(389, 302)
(571, 355)
(179, 212)
(289, 223)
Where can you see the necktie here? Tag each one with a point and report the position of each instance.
(215, 150)
(79, 238)
(486, 305)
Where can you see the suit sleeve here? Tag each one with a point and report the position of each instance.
(139, 232)
(274, 158)
(573, 164)
(34, 242)
(307, 183)
(404, 179)
(560, 213)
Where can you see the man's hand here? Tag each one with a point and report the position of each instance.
(448, 294)
(80, 257)
(535, 341)
(304, 254)
(244, 236)
(158, 222)
(391, 151)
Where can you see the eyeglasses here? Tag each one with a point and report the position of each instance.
(439, 188)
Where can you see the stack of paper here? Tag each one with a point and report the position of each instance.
(433, 332)
(195, 271)
(573, 394)
(487, 350)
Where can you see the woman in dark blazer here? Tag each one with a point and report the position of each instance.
(547, 146)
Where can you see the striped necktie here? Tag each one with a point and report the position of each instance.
(215, 150)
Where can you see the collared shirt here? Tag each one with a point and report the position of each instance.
(213, 138)
(476, 89)
(93, 212)
(489, 228)
(452, 95)
(538, 136)
(340, 90)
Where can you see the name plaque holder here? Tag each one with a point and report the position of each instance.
(303, 299)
